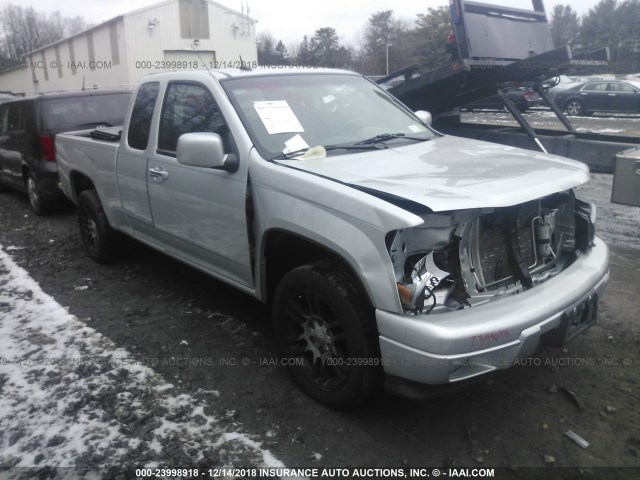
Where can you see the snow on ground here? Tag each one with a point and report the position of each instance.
(71, 398)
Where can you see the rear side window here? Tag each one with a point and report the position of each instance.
(620, 87)
(140, 124)
(189, 108)
(15, 117)
(84, 112)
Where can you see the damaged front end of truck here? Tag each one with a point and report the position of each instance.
(482, 288)
(458, 260)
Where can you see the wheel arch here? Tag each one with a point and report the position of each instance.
(79, 183)
(282, 251)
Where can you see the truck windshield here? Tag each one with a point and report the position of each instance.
(290, 113)
(84, 111)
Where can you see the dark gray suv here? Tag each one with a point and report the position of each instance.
(28, 128)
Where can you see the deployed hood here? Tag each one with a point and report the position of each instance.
(451, 173)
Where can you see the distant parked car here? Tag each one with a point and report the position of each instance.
(600, 96)
(522, 98)
(28, 128)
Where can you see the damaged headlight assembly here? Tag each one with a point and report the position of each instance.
(426, 263)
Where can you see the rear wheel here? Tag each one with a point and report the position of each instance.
(575, 107)
(37, 203)
(99, 239)
(326, 333)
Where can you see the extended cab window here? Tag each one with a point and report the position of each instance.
(140, 124)
(189, 107)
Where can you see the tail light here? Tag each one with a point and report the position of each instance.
(48, 148)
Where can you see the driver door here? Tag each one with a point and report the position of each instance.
(198, 213)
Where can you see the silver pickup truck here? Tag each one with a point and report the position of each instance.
(391, 254)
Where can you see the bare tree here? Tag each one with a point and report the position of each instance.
(75, 25)
(23, 29)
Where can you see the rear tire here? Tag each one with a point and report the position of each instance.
(99, 239)
(325, 328)
(37, 203)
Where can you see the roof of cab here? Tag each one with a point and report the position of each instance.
(221, 74)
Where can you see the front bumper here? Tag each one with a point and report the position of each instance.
(456, 346)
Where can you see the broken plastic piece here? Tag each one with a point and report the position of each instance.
(577, 438)
(577, 400)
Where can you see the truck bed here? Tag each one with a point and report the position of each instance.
(88, 155)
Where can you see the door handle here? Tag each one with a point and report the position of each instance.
(158, 174)
(637, 172)
(612, 94)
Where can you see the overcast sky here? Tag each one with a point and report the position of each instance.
(288, 20)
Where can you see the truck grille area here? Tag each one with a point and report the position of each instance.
(493, 243)
(513, 245)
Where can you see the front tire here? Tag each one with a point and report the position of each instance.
(99, 239)
(326, 332)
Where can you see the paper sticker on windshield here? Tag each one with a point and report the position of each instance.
(294, 144)
(278, 117)
(417, 128)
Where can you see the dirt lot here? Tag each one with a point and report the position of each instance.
(159, 309)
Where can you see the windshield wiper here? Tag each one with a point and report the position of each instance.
(328, 148)
(388, 136)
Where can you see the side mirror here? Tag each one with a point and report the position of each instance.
(205, 150)
(425, 117)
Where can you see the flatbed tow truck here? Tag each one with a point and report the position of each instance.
(495, 47)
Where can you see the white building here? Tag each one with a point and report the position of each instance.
(171, 35)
